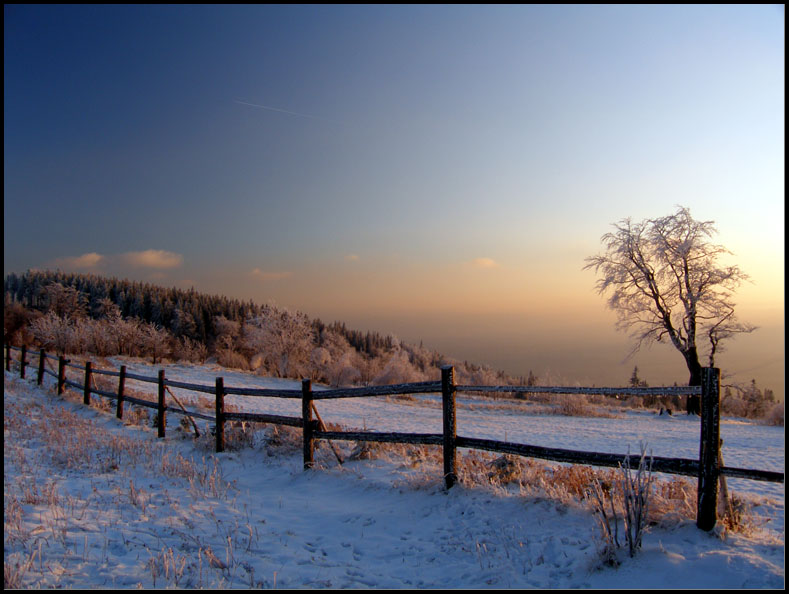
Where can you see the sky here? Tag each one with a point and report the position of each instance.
(435, 172)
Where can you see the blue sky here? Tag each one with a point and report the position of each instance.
(439, 172)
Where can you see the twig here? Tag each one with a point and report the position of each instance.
(178, 402)
(322, 427)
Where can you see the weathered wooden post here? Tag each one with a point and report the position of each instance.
(709, 454)
(86, 387)
(61, 374)
(220, 414)
(41, 360)
(306, 414)
(121, 386)
(450, 425)
(160, 406)
(22, 362)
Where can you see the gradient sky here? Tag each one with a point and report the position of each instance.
(435, 172)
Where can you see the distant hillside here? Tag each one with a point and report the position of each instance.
(87, 312)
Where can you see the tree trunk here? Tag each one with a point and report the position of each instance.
(694, 367)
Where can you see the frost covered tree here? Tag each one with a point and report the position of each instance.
(284, 339)
(636, 381)
(398, 370)
(345, 370)
(53, 332)
(664, 280)
(156, 341)
(66, 302)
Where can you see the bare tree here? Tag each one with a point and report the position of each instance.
(665, 284)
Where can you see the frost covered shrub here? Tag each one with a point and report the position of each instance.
(634, 489)
(282, 439)
(54, 332)
(775, 416)
(572, 405)
(506, 469)
(187, 349)
(232, 359)
(398, 370)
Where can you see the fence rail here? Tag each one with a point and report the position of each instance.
(707, 468)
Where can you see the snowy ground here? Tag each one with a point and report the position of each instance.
(89, 502)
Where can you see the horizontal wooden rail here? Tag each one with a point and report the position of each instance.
(108, 372)
(142, 378)
(188, 386)
(264, 418)
(659, 464)
(410, 438)
(266, 392)
(655, 391)
(755, 475)
(415, 388)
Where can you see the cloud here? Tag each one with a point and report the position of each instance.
(85, 261)
(269, 276)
(352, 258)
(484, 263)
(158, 259)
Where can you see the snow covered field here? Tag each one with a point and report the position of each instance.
(90, 502)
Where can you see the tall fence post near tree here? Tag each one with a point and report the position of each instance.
(450, 425)
(708, 469)
(41, 361)
(22, 362)
(308, 429)
(220, 414)
(160, 414)
(121, 386)
(86, 386)
(709, 451)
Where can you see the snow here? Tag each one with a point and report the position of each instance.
(142, 511)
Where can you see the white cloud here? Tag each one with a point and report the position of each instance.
(85, 261)
(158, 259)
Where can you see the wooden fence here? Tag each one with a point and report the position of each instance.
(708, 467)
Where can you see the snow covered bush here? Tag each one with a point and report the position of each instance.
(634, 489)
(775, 416)
(283, 339)
(635, 495)
(54, 332)
(231, 359)
(398, 370)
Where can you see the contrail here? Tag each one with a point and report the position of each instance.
(303, 115)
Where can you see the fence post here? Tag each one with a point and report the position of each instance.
(160, 406)
(709, 453)
(22, 362)
(121, 386)
(306, 415)
(61, 374)
(450, 425)
(220, 414)
(86, 387)
(41, 360)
